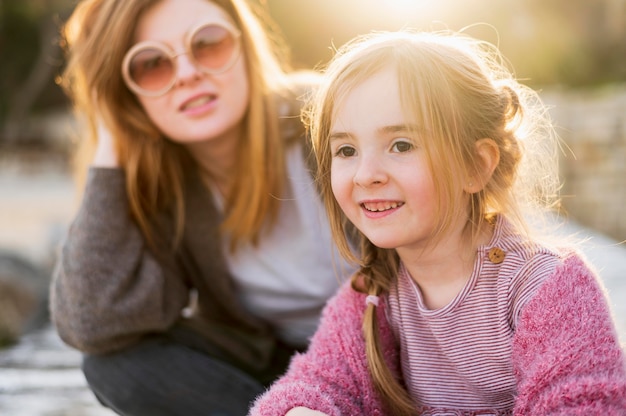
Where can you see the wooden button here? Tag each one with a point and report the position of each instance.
(496, 255)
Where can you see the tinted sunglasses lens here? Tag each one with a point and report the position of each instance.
(214, 47)
(151, 69)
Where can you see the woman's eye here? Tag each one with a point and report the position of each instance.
(345, 151)
(402, 146)
(153, 63)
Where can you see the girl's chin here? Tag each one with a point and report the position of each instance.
(383, 243)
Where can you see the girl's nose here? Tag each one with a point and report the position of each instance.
(370, 171)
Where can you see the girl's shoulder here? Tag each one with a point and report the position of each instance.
(518, 250)
(523, 265)
(551, 275)
(346, 300)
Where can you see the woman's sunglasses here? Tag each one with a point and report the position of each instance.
(149, 68)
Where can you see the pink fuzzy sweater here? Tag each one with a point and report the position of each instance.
(565, 353)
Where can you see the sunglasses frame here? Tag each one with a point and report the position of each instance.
(169, 52)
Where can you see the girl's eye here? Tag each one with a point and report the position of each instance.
(345, 151)
(402, 146)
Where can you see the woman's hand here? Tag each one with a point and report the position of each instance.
(304, 411)
(106, 155)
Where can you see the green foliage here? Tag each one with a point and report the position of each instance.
(25, 26)
(18, 43)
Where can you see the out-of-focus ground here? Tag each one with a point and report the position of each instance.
(39, 376)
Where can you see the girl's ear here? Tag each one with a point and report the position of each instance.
(488, 159)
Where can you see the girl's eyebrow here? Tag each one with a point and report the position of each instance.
(338, 136)
(398, 128)
(395, 128)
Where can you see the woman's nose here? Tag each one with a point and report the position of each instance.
(186, 69)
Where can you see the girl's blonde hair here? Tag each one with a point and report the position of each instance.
(97, 36)
(457, 90)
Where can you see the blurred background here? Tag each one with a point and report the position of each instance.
(572, 51)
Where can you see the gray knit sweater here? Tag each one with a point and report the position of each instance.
(109, 290)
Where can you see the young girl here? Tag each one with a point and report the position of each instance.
(437, 155)
(200, 257)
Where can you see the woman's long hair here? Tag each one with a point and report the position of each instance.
(96, 38)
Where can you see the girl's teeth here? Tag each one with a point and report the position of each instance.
(381, 206)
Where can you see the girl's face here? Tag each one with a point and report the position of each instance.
(379, 172)
(199, 107)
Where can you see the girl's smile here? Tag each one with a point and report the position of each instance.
(378, 209)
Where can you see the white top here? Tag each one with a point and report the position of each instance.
(287, 279)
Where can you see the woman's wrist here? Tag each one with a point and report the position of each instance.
(106, 155)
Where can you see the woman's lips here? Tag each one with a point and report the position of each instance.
(198, 104)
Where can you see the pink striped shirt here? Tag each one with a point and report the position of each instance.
(459, 356)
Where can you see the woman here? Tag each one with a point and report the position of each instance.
(200, 257)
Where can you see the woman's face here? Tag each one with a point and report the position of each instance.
(200, 106)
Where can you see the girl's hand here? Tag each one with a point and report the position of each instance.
(304, 411)
(105, 156)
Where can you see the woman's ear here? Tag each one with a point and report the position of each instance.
(487, 161)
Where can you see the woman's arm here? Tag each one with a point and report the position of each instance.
(332, 376)
(107, 289)
(566, 352)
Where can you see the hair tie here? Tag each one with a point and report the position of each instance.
(372, 299)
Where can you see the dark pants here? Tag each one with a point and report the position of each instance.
(176, 375)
